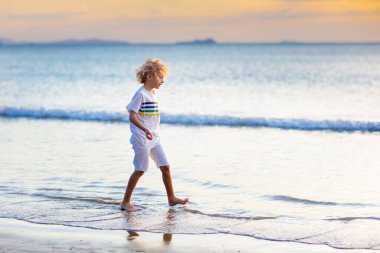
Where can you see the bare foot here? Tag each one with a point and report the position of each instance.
(174, 201)
(128, 207)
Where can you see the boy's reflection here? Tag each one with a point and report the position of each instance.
(167, 237)
(169, 222)
(133, 235)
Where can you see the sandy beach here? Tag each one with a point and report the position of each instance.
(21, 236)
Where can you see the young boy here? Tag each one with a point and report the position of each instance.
(144, 117)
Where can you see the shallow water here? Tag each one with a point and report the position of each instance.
(266, 183)
(65, 155)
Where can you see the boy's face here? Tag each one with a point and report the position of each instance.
(157, 80)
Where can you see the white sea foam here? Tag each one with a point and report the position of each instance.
(196, 120)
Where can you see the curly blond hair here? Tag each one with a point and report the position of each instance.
(151, 66)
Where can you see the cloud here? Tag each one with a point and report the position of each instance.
(46, 16)
(290, 19)
(286, 14)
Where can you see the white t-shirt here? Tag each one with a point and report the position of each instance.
(145, 104)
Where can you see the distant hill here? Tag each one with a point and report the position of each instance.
(198, 42)
(86, 42)
(74, 42)
(5, 41)
(69, 42)
(290, 42)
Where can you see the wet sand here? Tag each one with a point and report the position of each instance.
(21, 236)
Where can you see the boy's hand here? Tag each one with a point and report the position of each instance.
(148, 134)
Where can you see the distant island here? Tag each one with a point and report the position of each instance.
(198, 42)
(69, 42)
(97, 42)
(5, 41)
(87, 42)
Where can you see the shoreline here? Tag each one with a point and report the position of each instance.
(22, 236)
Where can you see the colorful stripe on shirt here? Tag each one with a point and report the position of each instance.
(149, 109)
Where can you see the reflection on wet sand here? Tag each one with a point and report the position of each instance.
(167, 238)
(168, 221)
(132, 235)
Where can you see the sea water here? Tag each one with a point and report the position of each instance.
(274, 141)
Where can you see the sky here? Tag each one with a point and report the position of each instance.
(168, 21)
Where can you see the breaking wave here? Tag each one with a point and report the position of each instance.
(196, 120)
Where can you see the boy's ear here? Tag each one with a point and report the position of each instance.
(149, 76)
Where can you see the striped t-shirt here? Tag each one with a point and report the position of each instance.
(145, 104)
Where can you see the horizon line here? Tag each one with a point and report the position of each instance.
(96, 41)
(121, 43)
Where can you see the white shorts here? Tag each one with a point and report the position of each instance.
(152, 148)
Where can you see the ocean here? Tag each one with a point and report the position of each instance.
(277, 142)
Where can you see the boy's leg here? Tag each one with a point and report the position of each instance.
(158, 155)
(126, 204)
(167, 178)
(141, 163)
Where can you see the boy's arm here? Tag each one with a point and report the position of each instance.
(133, 118)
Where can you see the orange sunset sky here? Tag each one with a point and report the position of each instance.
(182, 20)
